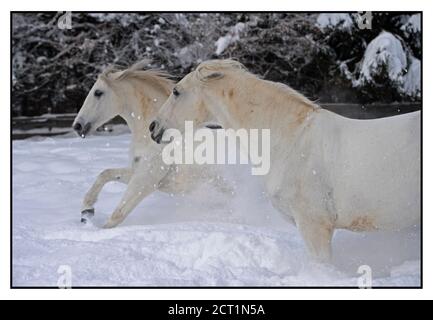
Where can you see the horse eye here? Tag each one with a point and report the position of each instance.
(175, 92)
(98, 93)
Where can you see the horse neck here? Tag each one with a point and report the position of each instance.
(141, 102)
(260, 104)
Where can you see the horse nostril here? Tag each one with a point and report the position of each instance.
(152, 126)
(77, 127)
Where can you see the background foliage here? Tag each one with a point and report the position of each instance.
(52, 69)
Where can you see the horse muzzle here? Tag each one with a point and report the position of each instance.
(82, 129)
(157, 135)
(156, 131)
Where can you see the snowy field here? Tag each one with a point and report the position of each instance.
(200, 239)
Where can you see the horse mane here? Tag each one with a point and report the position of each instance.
(160, 78)
(221, 64)
(237, 67)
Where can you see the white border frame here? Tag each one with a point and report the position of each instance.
(191, 5)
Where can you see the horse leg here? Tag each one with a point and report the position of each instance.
(121, 174)
(317, 235)
(138, 188)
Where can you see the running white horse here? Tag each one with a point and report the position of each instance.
(327, 172)
(135, 94)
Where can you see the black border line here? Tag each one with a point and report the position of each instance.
(421, 155)
(220, 287)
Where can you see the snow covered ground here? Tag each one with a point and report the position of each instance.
(200, 239)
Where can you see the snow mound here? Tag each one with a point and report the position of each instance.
(204, 238)
(231, 37)
(384, 51)
(341, 21)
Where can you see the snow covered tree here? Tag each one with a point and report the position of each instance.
(325, 56)
(381, 64)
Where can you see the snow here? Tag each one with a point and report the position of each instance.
(231, 37)
(191, 54)
(413, 25)
(384, 50)
(123, 19)
(341, 21)
(174, 240)
(412, 79)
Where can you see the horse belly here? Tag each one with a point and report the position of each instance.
(369, 212)
(378, 186)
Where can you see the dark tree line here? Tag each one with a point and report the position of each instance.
(53, 68)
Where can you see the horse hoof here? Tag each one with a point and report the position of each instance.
(87, 214)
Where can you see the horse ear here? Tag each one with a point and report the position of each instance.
(207, 75)
(214, 76)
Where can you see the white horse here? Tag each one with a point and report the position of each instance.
(326, 171)
(135, 95)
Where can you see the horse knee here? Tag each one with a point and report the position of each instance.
(106, 174)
